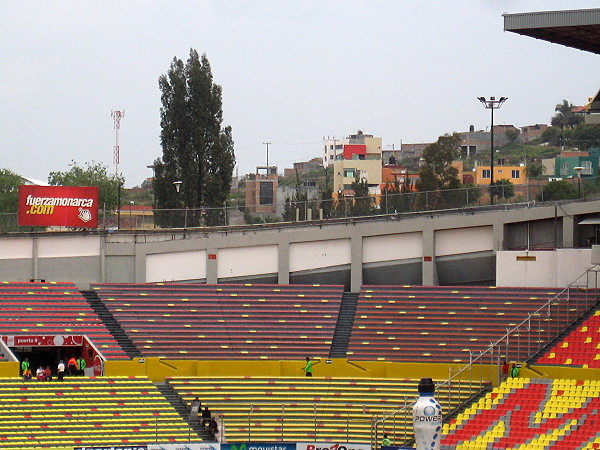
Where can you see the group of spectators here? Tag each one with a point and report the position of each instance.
(75, 366)
(205, 418)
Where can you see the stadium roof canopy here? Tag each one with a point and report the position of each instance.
(575, 28)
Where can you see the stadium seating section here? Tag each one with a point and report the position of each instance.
(253, 321)
(530, 413)
(86, 411)
(229, 321)
(265, 409)
(53, 308)
(580, 348)
(437, 324)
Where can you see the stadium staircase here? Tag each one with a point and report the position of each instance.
(183, 409)
(113, 326)
(343, 327)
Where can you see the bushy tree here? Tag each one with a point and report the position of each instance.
(585, 136)
(437, 173)
(565, 117)
(396, 198)
(502, 189)
(557, 190)
(9, 191)
(197, 150)
(327, 202)
(90, 174)
(512, 134)
(552, 135)
(534, 170)
(362, 203)
(471, 193)
(9, 200)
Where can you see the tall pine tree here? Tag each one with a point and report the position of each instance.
(197, 150)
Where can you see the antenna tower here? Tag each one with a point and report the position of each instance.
(117, 116)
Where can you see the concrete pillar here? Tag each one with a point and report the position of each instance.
(283, 263)
(430, 277)
(139, 264)
(212, 273)
(498, 231)
(356, 263)
(568, 231)
(35, 266)
(103, 259)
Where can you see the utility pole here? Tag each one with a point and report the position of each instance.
(117, 116)
(267, 144)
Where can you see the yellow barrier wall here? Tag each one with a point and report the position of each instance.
(572, 373)
(157, 369)
(9, 369)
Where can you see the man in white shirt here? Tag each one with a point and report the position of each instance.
(61, 370)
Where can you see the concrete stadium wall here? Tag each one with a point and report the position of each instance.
(541, 268)
(456, 248)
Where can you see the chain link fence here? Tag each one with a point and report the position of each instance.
(289, 210)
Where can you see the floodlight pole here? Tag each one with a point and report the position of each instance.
(492, 104)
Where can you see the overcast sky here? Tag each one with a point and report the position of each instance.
(292, 72)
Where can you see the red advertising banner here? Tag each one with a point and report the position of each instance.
(43, 341)
(67, 206)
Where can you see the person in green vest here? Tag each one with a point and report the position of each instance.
(309, 367)
(24, 365)
(514, 372)
(81, 366)
(386, 442)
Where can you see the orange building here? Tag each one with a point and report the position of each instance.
(514, 174)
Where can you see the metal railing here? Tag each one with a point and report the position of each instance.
(472, 197)
(521, 342)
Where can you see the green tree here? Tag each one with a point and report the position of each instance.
(91, 174)
(396, 198)
(471, 193)
(585, 136)
(327, 202)
(9, 200)
(9, 191)
(437, 173)
(502, 189)
(565, 117)
(534, 170)
(362, 203)
(512, 134)
(557, 190)
(552, 135)
(197, 150)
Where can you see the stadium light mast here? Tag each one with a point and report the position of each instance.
(117, 116)
(492, 104)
